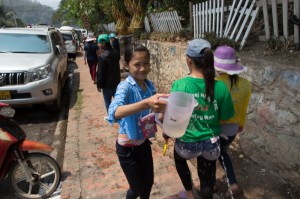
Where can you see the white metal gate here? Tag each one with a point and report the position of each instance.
(165, 22)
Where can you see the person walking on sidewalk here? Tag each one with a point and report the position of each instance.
(114, 41)
(201, 139)
(108, 73)
(91, 57)
(240, 89)
(135, 98)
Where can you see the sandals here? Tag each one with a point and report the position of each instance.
(181, 195)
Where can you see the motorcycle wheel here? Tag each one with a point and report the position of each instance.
(45, 172)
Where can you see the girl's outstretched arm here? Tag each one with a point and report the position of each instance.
(152, 102)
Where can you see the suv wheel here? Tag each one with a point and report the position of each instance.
(57, 104)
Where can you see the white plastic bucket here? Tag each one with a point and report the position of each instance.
(178, 113)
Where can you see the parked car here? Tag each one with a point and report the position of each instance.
(33, 66)
(70, 37)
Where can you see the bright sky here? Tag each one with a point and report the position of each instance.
(52, 3)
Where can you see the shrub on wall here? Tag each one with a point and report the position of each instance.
(186, 35)
(216, 41)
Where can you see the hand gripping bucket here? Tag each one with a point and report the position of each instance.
(178, 113)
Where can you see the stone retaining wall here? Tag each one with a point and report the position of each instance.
(272, 132)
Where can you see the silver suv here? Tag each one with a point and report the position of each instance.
(33, 66)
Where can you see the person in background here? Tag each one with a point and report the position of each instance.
(228, 68)
(108, 73)
(91, 57)
(135, 98)
(114, 41)
(201, 139)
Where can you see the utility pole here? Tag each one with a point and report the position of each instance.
(14, 16)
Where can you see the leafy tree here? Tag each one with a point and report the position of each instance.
(97, 12)
(100, 11)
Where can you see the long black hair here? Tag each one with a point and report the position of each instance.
(233, 80)
(206, 65)
(130, 49)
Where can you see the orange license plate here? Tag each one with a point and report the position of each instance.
(4, 95)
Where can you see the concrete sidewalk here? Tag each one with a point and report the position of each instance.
(91, 168)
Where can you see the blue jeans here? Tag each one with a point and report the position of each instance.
(206, 153)
(137, 165)
(205, 148)
(108, 94)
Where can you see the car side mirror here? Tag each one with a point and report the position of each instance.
(57, 49)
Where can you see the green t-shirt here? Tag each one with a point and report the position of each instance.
(205, 120)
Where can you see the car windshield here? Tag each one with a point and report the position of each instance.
(67, 36)
(24, 43)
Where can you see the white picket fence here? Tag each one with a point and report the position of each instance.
(209, 16)
(273, 4)
(111, 27)
(165, 22)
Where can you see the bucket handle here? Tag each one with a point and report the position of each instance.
(156, 114)
(167, 100)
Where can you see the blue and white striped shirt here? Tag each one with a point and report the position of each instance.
(129, 92)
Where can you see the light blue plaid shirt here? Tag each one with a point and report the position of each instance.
(129, 92)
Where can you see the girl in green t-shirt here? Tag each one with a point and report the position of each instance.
(201, 139)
